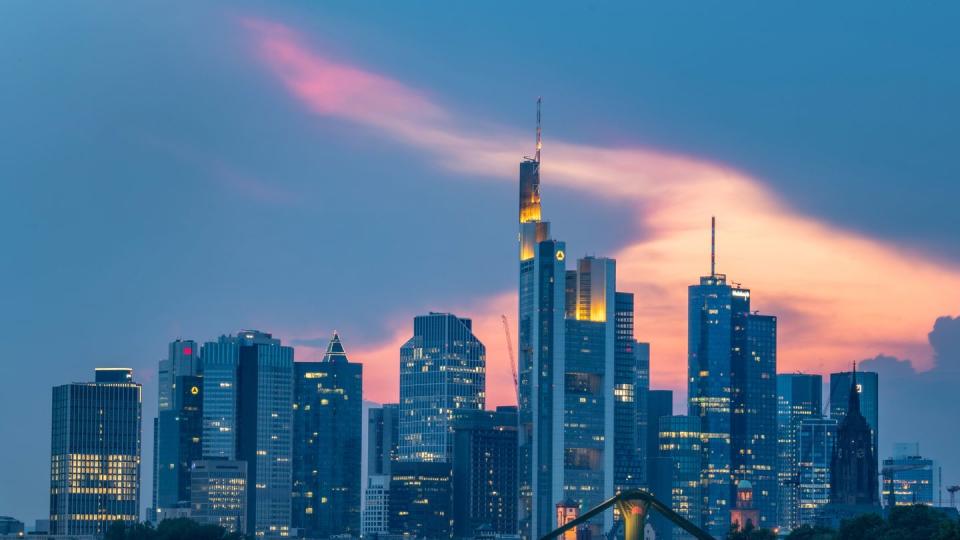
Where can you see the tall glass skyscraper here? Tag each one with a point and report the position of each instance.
(816, 440)
(442, 374)
(631, 382)
(567, 369)
(732, 389)
(248, 416)
(799, 397)
(327, 434)
(179, 424)
(95, 453)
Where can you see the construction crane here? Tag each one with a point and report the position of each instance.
(513, 362)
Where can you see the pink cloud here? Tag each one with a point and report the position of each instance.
(843, 296)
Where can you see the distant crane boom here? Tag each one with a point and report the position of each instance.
(513, 361)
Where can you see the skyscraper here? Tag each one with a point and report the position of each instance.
(680, 445)
(485, 472)
(732, 389)
(421, 499)
(631, 380)
(567, 340)
(383, 435)
(248, 416)
(799, 397)
(816, 439)
(659, 468)
(867, 385)
(327, 433)
(95, 453)
(442, 374)
(179, 424)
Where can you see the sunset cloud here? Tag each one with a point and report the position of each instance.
(840, 295)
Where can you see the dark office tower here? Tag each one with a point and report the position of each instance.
(248, 416)
(799, 397)
(659, 469)
(218, 494)
(327, 424)
(179, 425)
(630, 377)
(867, 386)
(754, 422)
(566, 346)
(421, 500)
(853, 469)
(383, 436)
(485, 472)
(732, 389)
(95, 454)
(442, 375)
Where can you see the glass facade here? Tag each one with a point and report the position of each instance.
(218, 494)
(179, 424)
(248, 416)
(909, 476)
(799, 397)
(631, 381)
(421, 500)
(681, 446)
(816, 440)
(442, 375)
(95, 454)
(327, 434)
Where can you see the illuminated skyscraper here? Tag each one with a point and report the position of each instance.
(732, 388)
(218, 493)
(909, 477)
(95, 454)
(567, 343)
(442, 375)
(327, 444)
(248, 416)
(799, 397)
(815, 441)
(631, 382)
(179, 424)
(680, 448)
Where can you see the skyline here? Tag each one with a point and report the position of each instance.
(665, 195)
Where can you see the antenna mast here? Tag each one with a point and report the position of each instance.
(713, 246)
(539, 143)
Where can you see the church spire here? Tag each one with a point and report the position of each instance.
(854, 402)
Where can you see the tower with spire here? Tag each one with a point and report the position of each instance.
(853, 468)
(327, 432)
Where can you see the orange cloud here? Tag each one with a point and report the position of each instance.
(840, 296)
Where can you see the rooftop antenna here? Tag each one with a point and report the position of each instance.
(713, 243)
(539, 142)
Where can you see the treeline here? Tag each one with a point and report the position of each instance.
(170, 529)
(918, 522)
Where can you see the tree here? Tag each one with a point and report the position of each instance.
(807, 532)
(864, 527)
(750, 533)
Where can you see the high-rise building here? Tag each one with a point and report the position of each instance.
(631, 382)
(567, 341)
(327, 433)
(799, 397)
(659, 468)
(816, 438)
(95, 453)
(218, 494)
(681, 446)
(485, 472)
(421, 499)
(179, 424)
(442, 375)
(376, 507)
(383, 436)
(908, 477)
(732, 389)
(867, 386)
(248, 416)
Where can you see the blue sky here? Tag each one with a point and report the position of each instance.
(158, 182)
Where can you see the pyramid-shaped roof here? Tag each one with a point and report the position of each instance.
(335, 352)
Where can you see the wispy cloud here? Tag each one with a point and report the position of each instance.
(842, 295)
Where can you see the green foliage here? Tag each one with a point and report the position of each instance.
(169, 529)
(812, 533)
(750, 533)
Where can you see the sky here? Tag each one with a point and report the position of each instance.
(185, 170)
